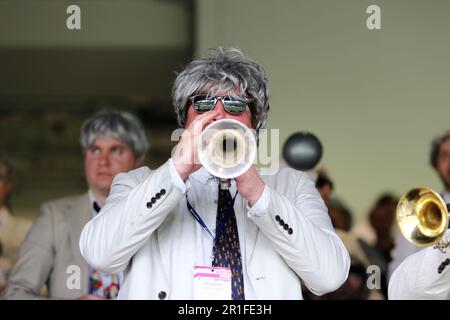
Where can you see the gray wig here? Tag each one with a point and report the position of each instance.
(223, 70)
(122, 126)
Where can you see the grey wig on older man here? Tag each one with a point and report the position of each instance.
(122, 126)
(223, 70)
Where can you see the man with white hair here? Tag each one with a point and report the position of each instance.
(112, 142)
(176, 234)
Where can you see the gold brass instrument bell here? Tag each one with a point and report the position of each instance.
(422, 217)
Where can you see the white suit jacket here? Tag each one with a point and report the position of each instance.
(417, 276)
(151, 242)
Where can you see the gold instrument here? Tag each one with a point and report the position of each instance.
(422, 217)
(227, 149)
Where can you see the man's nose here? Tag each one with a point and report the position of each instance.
(219, 107)
(104, 158)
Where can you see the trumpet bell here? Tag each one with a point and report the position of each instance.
(422, 216)
(227, 148)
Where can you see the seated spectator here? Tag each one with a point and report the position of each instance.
(112, 142)
(324, 185)
(380, 226)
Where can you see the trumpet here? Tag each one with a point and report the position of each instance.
(423, 218)
(226, 149)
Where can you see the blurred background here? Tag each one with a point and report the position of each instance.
(375, 98)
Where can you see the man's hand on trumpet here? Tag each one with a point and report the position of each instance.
(185, 157)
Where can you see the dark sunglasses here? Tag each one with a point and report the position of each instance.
(203, 103)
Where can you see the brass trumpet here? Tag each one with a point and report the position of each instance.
(423, 217)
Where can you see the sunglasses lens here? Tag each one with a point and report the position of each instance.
(202, 105)
(234, 106)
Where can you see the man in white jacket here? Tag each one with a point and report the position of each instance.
(425, 274)
(440, 162)
(164, 228)
(422, 275)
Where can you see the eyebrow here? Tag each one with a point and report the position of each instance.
(114, 146)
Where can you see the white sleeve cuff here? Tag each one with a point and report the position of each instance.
(260, 207)
(176, 179)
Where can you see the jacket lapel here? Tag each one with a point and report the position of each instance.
(78, 215)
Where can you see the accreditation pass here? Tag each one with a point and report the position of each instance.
(212, 283)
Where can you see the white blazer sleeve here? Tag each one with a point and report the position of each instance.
(417, 277)
(138, 203)
(300, 228)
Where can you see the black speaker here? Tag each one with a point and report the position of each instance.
(302, 151)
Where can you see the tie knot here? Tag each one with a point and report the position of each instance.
(224, 193)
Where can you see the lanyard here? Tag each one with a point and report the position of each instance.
(199, 219)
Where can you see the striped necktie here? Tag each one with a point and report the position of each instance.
(227, 252)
